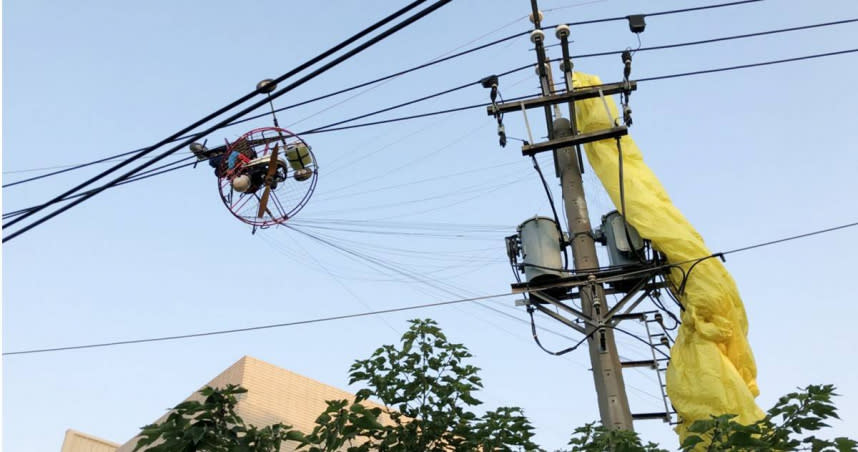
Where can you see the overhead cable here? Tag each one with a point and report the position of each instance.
(483, 105)
(227, 108)
(255, 328)
(406, 308)
(372, 41)
(437, 61)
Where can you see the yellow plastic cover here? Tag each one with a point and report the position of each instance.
(712, 369)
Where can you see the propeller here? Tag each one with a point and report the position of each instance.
(269, 180)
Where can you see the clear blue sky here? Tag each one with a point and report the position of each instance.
(748, 156)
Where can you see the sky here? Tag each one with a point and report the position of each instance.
(417, 209)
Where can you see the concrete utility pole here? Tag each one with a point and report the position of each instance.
(607, 371)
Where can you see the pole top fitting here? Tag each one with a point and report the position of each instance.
(530, 16)
(562, 31)
(488, 82)
(537, 36)
(266, 86)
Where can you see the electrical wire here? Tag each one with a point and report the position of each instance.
(746, 66)
(553, 210)
(447, 58)
(654, 347)
(388, 77)
(225, 109)
(411, 275)
(254, 328)
(372, 41)
(67, 168)
(407, 308)
(483, 105)
(557, 353)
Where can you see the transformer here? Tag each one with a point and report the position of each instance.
(621, 239)
(540, 249)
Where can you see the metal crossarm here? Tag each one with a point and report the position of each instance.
(576, 94)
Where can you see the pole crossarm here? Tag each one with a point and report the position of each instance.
(631, 293)
(549, 299)
(562, 319)
(574, 140)
(580, 278)
(588, 92)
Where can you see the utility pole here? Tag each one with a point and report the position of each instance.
(607, 371)
(634, 268)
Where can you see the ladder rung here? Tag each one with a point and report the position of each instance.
(643, 363)
(660, 415)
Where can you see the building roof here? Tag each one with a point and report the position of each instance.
(76, 441)
(273, 395)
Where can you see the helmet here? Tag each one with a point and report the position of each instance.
(241, 183)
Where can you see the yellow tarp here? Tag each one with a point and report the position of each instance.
(712, 369)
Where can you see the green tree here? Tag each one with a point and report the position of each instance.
(212, 426)
(595, 438)
(427, 391)
(426, 388)
(786, 427)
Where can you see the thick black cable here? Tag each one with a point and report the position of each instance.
(224, 109)
(394, 75)
(553, 211)
(483, 105)
(558, 353)
(254, 328)
(361, 85)
(408, 21)
(288, 107)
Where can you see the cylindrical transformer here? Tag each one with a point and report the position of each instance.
(540, 249)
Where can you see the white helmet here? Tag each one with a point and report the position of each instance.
(241, 183)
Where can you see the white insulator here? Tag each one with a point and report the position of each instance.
(562, 31)
(546, 66)
(530, 16)
(537, 36)
(241, 183)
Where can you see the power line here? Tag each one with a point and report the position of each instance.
(746, 66)
(423, 66)
(372, 41)
(714, 40)
(469, 107)
(407, 308)
(207, 118)
(648, 79)
(254, 328)
(331, 126)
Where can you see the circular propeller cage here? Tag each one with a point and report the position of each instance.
(258, 194)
